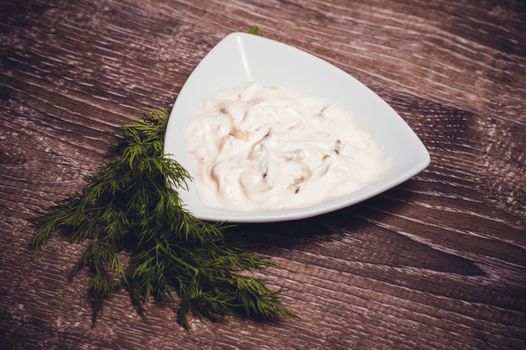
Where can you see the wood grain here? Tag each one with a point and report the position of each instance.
(439, 262)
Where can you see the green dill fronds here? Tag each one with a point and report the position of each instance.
(254, 30)
(128, 207)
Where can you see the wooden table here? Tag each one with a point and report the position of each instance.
(437, 262)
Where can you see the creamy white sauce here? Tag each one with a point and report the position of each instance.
(261, 147)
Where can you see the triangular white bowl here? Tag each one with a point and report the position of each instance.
(240, 57)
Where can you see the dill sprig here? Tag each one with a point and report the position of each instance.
(254, 30)
(127, 209)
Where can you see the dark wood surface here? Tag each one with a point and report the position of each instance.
(439, 262)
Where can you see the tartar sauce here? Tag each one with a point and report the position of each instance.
(262, 147)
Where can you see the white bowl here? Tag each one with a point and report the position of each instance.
(240, 57)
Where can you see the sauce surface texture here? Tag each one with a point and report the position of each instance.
(262, 147)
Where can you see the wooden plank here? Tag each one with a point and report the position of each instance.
(438, 262)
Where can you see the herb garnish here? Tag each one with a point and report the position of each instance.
(254, 30)
(128, 209)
